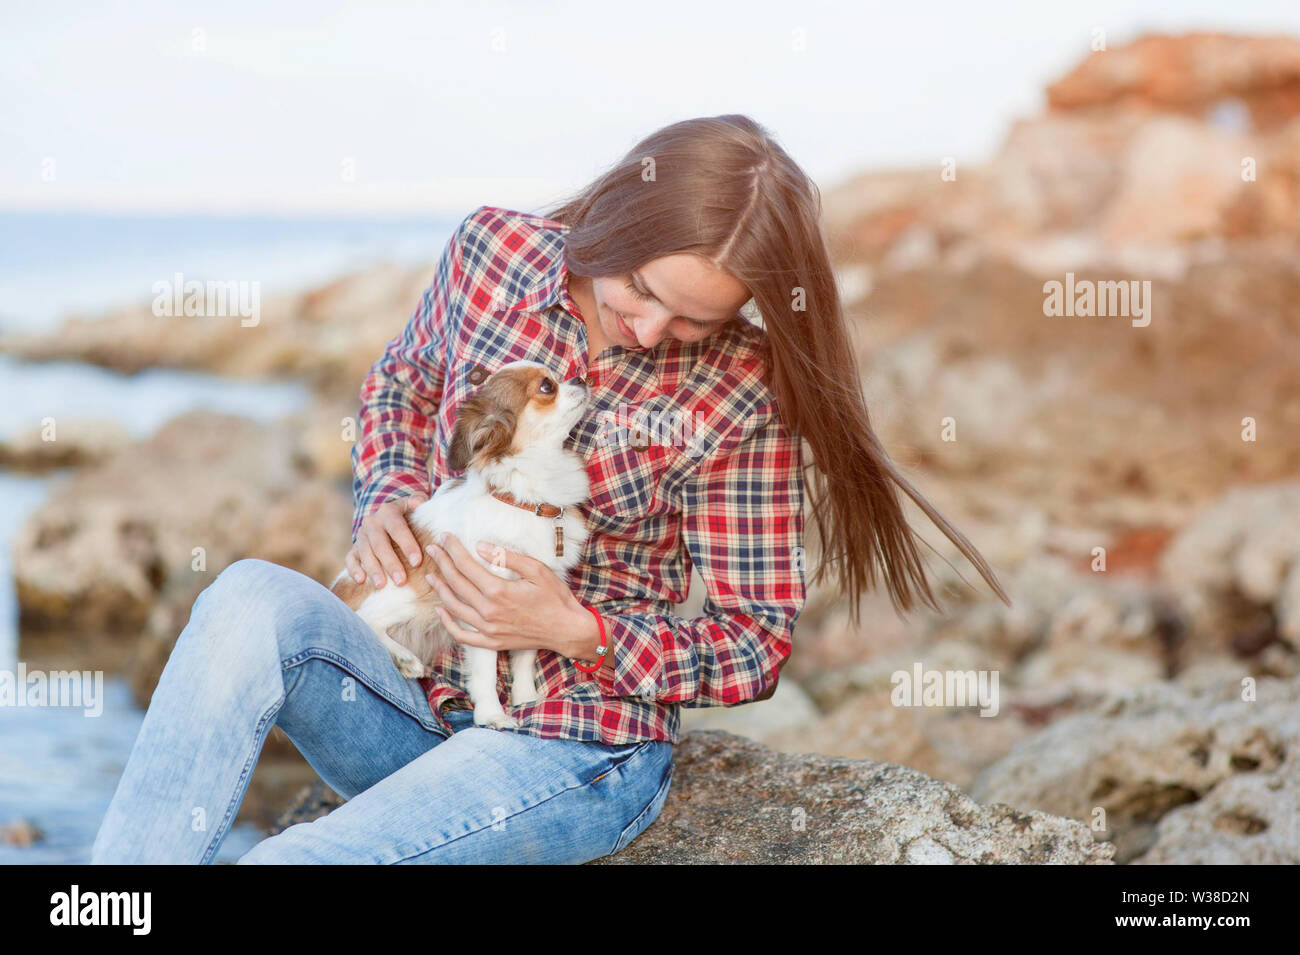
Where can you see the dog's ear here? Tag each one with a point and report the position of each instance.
(483, 430)
(458, 450)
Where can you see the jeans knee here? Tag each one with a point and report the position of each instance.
(254, 581)
(302, 610)
(233, 588)
(246, 573)
(258, 591)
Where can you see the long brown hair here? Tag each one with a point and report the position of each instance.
(722, 187)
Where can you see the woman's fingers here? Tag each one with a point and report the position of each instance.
(399, 529)
(481, 577)
(352, 562)
(390, 565)
(458, 583)
(472, 637)
(366, 557)
(523, 565)
(454, 604)
(374, 551)
(364, 554)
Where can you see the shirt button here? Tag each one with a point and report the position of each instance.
(477, 375)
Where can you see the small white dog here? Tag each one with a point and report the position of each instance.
(521, 490)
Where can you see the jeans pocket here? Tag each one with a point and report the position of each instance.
(648, 814)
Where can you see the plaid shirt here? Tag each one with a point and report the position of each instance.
(689, 464)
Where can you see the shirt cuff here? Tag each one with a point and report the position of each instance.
(638, 658)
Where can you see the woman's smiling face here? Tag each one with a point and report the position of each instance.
(682, 296)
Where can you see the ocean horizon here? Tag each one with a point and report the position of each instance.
(57, 264)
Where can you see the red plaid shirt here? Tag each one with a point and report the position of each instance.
(689, 464)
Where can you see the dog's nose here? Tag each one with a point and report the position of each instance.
(580, 382)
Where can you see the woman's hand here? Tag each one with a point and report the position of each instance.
(536, 611)
(373, 554)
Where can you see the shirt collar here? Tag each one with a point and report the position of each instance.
(551, 290)
(551, 287)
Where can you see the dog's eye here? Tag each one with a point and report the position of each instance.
(547, 387)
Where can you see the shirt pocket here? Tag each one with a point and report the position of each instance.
(625, 483)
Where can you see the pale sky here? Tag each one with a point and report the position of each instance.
(263, 106)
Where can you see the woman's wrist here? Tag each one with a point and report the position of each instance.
(586, 640)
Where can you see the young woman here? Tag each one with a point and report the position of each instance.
(693, 447)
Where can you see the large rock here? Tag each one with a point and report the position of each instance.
(1147, 149)
(1235, 570)
(1247, 819)
(1177, 179)
(165, 515)
(733, 800)
(1190, 74)
(1096, 423)
(329, 335)
(1142, 764)
(73, 442)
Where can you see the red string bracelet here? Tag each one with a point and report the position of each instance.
(604, 645)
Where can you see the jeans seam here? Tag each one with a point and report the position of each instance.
(259, 738)
(620, 759)
(320, 653)
(619, 844)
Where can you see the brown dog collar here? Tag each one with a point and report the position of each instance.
(541, 510)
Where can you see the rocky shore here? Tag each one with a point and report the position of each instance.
(1136, 487)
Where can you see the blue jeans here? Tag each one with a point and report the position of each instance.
(266, 645)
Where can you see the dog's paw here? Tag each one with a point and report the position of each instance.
(410, 667)
(494, 719)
